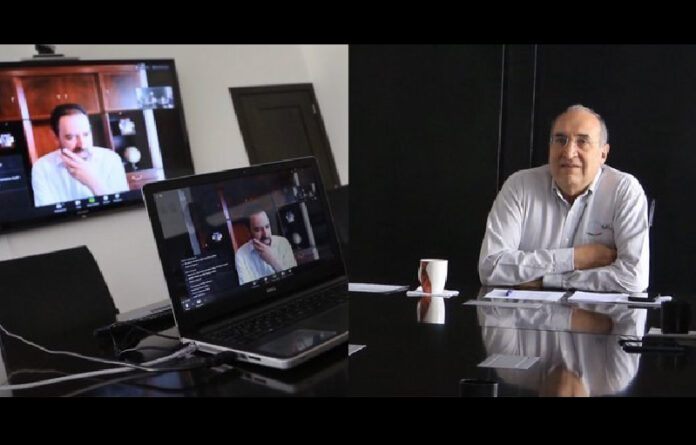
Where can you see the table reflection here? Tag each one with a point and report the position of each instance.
(577, 346)
(431, 310)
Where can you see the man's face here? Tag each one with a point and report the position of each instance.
(261, 227)
(74, 132)
(575, 153)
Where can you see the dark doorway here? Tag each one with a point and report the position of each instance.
(281, 122)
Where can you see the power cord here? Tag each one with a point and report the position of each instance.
(72, 354)
(197, 383)
(188, 349)
(128, 341)
(131, 351)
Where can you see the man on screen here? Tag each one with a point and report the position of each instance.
(264, 254)
(77, 170)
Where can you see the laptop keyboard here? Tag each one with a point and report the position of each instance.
(245, 331)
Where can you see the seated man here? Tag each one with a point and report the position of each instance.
(572, 223)
(77, 170)
(264, 254)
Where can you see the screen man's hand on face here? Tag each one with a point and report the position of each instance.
(267, 254)
(83, 170)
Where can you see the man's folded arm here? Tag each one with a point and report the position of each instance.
(509, 266)
(631, 269)
(501, 262)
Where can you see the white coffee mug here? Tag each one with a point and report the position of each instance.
(432, 275)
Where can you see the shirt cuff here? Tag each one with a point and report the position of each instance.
(564, 260)
(553, 280)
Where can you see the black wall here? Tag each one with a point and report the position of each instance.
(424, 123)
(435, 130)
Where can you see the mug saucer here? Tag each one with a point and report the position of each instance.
(418, 292)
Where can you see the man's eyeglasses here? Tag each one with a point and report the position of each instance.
(562, 141)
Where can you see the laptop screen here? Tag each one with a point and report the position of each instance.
(235, 237)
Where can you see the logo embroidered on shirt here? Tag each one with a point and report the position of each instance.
(597, 228)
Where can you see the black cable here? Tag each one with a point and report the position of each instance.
(204, 362)
(124, 342)
(211, 361)
(137, 351)
(136, 375)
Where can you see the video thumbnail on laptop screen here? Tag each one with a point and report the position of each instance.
(242, 232)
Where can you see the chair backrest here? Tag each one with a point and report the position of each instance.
(49, 297)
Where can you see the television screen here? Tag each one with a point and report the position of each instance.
(83, 136)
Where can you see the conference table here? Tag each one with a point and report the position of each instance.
(526, 348)
(409, 346)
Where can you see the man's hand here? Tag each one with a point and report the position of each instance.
(267, 254)
(590, 256)
(82, 170)
(536, 284)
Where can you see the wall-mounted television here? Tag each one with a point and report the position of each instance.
(79, 136)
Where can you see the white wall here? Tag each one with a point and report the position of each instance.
(122, 242)
(328, 70)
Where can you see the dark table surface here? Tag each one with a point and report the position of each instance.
(416, 351)
(413, 347)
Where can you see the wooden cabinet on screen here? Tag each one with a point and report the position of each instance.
(9, 107)
(44, 93)
(110, 94)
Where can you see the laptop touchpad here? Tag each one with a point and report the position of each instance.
(295, 342)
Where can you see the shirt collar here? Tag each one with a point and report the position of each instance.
(590, 189)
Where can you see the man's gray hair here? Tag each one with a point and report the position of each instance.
(603, 132)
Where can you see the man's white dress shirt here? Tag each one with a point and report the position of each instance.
(53, 183)
(250, 266)
(531, 231)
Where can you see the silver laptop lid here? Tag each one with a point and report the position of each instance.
(234, 239)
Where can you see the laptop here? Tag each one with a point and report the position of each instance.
(252, 261)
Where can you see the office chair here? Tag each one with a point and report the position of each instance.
(55, 299)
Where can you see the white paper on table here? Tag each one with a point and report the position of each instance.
(444, 294)
(511, 304)
(614, 298)
(375, 288)
(537, 295)
(597, 297)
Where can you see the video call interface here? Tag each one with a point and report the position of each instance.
(220, 239)
(133, 133)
